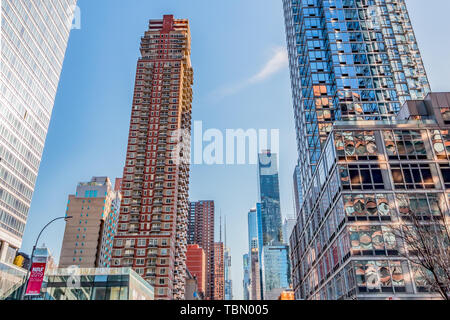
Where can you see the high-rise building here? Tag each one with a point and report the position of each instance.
(89, 235)
(196, 263)
(246, 282)
(373, 174)
(228, 283)
(152, 234)
(33, 39)
(269, 197)
(255, 276)
(275, 271)
(227, 274)
(255, 245)
(288, 226)
(349, 60)
(219, 271)
(353, 65)
(255, 239)
(298, 197)
(201, 232)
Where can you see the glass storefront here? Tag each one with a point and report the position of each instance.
(96, 284)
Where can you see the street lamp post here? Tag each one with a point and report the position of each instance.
(32, 253)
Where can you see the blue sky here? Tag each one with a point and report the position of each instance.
(241, 81)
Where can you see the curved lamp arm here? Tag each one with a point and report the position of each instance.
(34, 248)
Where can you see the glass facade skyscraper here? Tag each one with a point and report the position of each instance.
(227, 274)
(275, 271)
(366, 155)
(274, 264)
(371, 176)
(255, 228)
(34, 37)
(349, 60)
(246, 281)
(269, 197)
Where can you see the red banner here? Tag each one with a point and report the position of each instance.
(36, 279)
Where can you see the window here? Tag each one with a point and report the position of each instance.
(363, 207)
(405, 145)
(445, 170)
(425, 205)
(361, 177)
(356, 145)
(372, 241)
(441, 144)
(380, 276)
(412, 176)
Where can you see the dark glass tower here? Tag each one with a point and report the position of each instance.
(269, 197)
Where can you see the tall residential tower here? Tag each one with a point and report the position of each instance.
(201, 232)
(152, 234)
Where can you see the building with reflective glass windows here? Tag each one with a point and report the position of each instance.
(228, 283)
(246, 280)
(269, 197)
(349, 60)
(95, 284)
(373, 174)
(275, 271)
(34, 37)
(353, 63)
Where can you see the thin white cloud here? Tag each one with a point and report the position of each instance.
(277, 62)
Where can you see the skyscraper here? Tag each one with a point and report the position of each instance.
(33, 41)
(349, 60)
(399, 169)
(255, 245)
(227, 274)
(219, 271)
(255, 275)
(275, 271)
(227, 268)
(88, 237)
(201, 232)
(269, 197)
(255, 228)
(365, 161)
(288, 226)
(246, 281)
(152, 235)
(298, 197)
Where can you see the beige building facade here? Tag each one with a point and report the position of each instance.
(89, 234)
